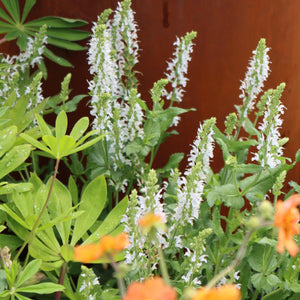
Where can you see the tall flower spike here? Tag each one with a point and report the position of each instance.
(257, 73)
(178, 66)
(270, 148)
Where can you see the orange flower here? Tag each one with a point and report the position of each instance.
(286, 219)
(107, 246)
(152, 289)
(225, 292)
(150, 221)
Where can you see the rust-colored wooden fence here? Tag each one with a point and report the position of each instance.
(228, 31)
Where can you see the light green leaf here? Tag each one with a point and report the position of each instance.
(36, 143)
(44, 128)
(29, 271)
(13, 215)
(42, 288)
(79, 128)
(93, 201)
(112, 220)
(8, 137)
(61, 125)
(66, 145)
(51, 142)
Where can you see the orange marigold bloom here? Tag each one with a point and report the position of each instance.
(225, 292)
(108, 245)
(152, 289)
(150, 220)
(286, 219)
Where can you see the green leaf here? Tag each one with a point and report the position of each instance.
(79, 128)
(12, 35)
(61, 125)
(173, 163)
(59, 204)
(42, 288)
(73, 190)
(112, 220)
(66, 145)
(8, 137)
(11, 241)
(51, 142)
(44, 128)
(36, 143)
(57, 59)
(64, 44)
(29, 271)
(14, 216)
(27, 7)
(68, 34)
(5, 17)
(13, 8)
(87, 144)
(93, 201)
(21, 297)
(57, 22)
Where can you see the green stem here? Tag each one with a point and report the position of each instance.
(37, 222)
(234, 264)
(254, 297)
(163, 266)
(120, 280)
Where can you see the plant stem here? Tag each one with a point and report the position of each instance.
(163, 266)
(37, 222)
(120, 280)
(234, 264)
(61, 279)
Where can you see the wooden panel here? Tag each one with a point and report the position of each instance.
(228, 31)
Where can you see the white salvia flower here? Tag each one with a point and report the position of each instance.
(236, 275)
(269, 149)
(178, 66)
(257, 73)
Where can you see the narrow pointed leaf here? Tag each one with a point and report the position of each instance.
(27, 7)
(79, 128)
(61, 125)
(42, 288)
(29, 271)
(44, 128)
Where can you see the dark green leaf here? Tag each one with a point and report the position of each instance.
(13, 8)
(27, 7)
(67, 34)
(5, 17)
(57, 59)
(64, 44)
(57, 22)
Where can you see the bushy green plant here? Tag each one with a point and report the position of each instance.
(174, 221)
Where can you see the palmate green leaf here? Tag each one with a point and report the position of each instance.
(13, 8)
(56, 22)
(42, 288)
(60, 203)
(111, 222)
(27, 7)
(8, 137)
(51, 142)
(12, 159)
(93, 201)
(14, 216)
(64, 44)
(61, 125)
(21, 297)
(13, 34)
(44, 128)
(5, 17)
(29, 271)
(35, 143)
(57, 59)
(11, 241)
(67, 34)
(66, 145)
(87, 144)
(79, 128)
(22, 40)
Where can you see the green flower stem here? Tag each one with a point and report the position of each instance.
(37, 222)
(61, 279)
(234, 264)
(120, 280)
(163, 266)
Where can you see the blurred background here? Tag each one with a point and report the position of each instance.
(228, 32)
